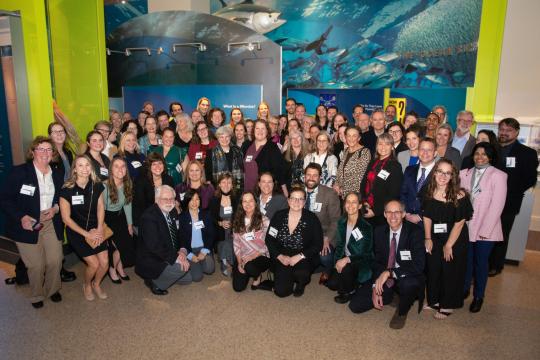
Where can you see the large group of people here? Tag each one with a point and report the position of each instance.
(377, 207)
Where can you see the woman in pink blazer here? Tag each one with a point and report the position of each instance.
(487, 186)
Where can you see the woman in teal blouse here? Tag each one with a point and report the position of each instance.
(174, 156)
(354, 251)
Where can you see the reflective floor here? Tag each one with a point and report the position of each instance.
(209, 320)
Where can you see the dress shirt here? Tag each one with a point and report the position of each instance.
(46, 189)
(428, 170)
(459, 141)
(398, 234)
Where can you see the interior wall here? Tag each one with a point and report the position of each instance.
(202, 6)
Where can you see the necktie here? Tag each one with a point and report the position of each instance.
(391, 259)
(172, 232)
(308, 201)
(421, 180)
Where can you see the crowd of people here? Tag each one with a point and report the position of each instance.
(376, 206)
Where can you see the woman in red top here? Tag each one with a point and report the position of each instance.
(203, 140)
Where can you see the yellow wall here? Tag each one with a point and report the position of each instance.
(482, 97)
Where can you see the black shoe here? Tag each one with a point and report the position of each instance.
(494, 272)
(56, 297)
(67, 276)
(398, 321)
(155, 290)
(267, 285)
(298, 290)
(124, 278)
(466, 294)
(342, 298)
(38, 304)
(117, 281)
(476, 305)
(10, 281)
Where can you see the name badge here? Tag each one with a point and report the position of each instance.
(182, 196)
(199, 225)
(77, 200)
(178, 168)
(511, 162)
(103, 171)
(272, 231)
(136, 164)
(198, 155)
(405, 255)
(439, 228)
(250, 236)
(316, 207)
(177, 224)
(27, 190)
(383, 174)
(357, 234)
(160, 142)
(249, 158)
(227, 210)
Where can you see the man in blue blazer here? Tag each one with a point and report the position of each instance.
(161, 254)
(398, 267)
(415, 180)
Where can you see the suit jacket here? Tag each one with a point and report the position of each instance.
(361, 250)
(369, 139)
(214, 207)
(276, 203)
(330, 210)
(411, 239)
(453, 155)
(488, 204)
(469, 145)
(208, 231)
(384, 190)
(16, 205)
(521, 177)
(408, 195)
(155, 249)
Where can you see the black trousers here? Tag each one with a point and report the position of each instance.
(445, 279)
(120, 240)
(345, 282)
(286, 276)
(253, 269)
(408, 289)
(498, 254)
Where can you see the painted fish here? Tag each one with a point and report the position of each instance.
(259, 18)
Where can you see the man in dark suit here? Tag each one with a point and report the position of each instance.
(399, 266)
(161, 256)
(415, 180)
(519, 162)
(324, 202)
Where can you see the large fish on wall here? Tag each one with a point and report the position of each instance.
(260, 18)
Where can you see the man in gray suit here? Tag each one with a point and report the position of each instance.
(324, 202)
(463, 139)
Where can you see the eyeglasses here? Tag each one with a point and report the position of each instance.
(104, 130)
(295, 199)
(58, 132)
(167, 199)
(393, 213)
(43, 150)
(394, 132)
(442, 173)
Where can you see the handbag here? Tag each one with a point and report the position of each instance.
(107, 231)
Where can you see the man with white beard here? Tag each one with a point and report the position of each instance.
(463, 139)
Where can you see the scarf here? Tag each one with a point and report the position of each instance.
(220, 165)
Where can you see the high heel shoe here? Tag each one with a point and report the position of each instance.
(114, 281)
(100, 293)
(124, 278)
(88, 296)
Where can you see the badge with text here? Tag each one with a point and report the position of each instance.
(249, 158)
(316, 207)
(136, 164)
(439, 228)
(272, 231)
(182, 196)
(28, 190)
(405, 255)
(250, 236)
(77, 200)
(104, 171)
(227, 210)
(357, 234)
(511, 162)
(198, 155)
(383, 174)
(199, 225)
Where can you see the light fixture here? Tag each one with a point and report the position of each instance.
(251, 45)
(128, 51)
(109, 52)
(198, 45)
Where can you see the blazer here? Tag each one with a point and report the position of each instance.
(215, 205)
(361, 250)
(453, 155)
(488, 204)
(271, 160)
(403, 157)
(208, 231)
(521, 177)
(143, 194)
(369, 139)
(469, 145)
(58, 164)
(276, 203)
(408, 194)
(155, 249)
(384, 190)
(401, 147)
(97, 166)
(16, 205)
(411, 239)
(329, 211)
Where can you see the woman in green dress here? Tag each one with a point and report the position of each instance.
(175, 157)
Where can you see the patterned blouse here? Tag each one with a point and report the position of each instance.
(352, 169)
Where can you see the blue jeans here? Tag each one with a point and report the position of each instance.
(327, 261)
(477, 266)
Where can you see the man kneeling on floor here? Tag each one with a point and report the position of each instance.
(399, 266)
(161, 256)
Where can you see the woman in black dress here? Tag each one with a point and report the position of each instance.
(100, 162)
(130, 151)
(83, 212)
(446, 208)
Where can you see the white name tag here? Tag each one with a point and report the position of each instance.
(249, 158)
(405, 255)
(383, 174)
(357, 234)
(28, 190)
(136, 164)
(227, 210)
(160, 142)
(199, 225)
(103, 171)
(511, 162)
(77, 200)
(272, 231)
(439, 228)
(182, 196)
(198, 155)
(250, 236)
(177, 224)
(316, 207)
